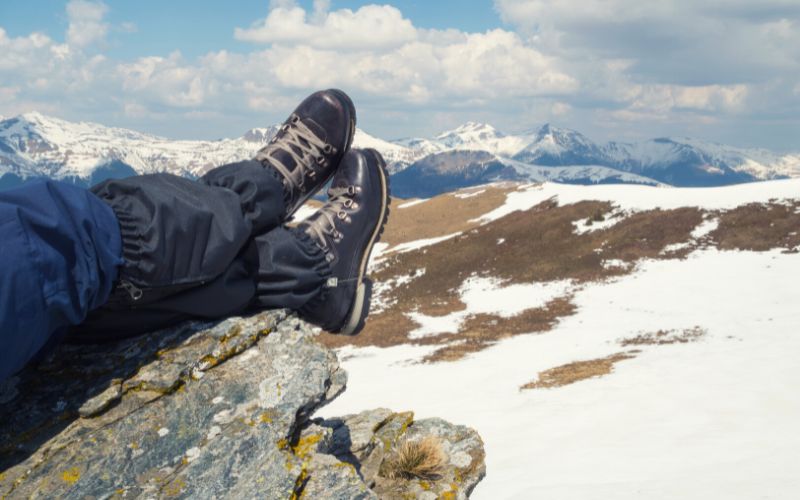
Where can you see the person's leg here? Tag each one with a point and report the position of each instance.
(188, 247)
(292, 269)
(60, 249)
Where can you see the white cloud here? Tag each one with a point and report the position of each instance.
(670, 62)
(86, 25)
(593, 65)
(371, 26)
(685, 42)
(376, 50)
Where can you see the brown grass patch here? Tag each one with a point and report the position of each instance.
(538, 245)
(441, 215)
(482, 330)
(664, 337)
(577, 371)
(423, 459)
(759, 227)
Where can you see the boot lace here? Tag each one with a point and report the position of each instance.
(302, 146)
(323, 226)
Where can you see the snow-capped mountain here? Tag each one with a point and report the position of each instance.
(33, 145)
(442, 172)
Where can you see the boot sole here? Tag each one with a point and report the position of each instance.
(361, 304)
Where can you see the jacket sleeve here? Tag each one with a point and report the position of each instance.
(60, 249)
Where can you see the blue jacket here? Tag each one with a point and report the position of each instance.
(60, 248)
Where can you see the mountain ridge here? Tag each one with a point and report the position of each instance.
(34, 145)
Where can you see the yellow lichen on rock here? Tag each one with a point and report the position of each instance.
(305, 445)
(174, 488)
(71, 475)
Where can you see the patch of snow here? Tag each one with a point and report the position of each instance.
(676, 247)
(163, 432)
(468, 194)
(705, 228)
(616, 264)
(711, 419)
(632, 198)
(500, 241)
(489, 296)
(381, 289)
(588, 225)
(435, 325)
(425, 242)
(412, 203)
(376, 259)
(702, 230)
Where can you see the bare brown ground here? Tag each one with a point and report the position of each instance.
(664, 337)
(482, 330)
(441, 215)
(576, 371)
(759, 227)
(538, 245)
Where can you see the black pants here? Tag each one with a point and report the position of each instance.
(209, 248)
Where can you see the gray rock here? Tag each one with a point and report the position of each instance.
(385, 431)
(207, 410)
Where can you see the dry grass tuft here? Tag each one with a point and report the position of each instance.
(664, 337)
(577, 371)
(423, 459)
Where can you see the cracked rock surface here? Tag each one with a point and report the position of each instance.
(209, 410)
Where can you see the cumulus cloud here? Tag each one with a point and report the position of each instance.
(593, 65)
(683, 42)
(86, 25)
(658, 61)
(377, 50)
(373, 26)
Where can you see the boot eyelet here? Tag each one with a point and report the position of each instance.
(348, 203)
(295, 118)
(342, 215)
(321, 160)
(328, 149)
(351, 190)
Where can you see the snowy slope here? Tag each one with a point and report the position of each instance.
(60, 149)
(709, 417)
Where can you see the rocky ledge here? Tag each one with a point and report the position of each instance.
(216, 410)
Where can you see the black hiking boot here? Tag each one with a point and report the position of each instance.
(310, 144)
(346, 228)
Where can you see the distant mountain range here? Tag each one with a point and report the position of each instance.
(33, 146)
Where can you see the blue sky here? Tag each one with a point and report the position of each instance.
(198, 27)
(722, 70)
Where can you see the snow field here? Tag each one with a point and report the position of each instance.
(639, 198)
(711, 419)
